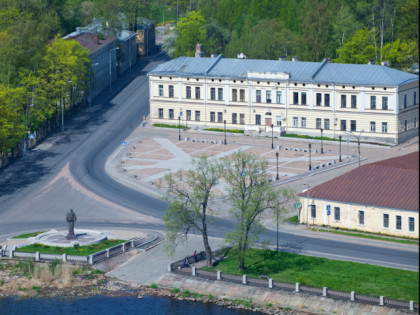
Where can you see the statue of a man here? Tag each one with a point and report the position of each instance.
(71, 218)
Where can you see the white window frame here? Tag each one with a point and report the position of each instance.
(303, 122)
(161, 93)
(313, 217)
(339, 214)
(359, 212)
(396, 222)
(383, 221)
(295, 122)
(414, 225)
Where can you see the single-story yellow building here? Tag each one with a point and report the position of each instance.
(381, 197)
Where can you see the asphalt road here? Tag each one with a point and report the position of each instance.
(67, 171)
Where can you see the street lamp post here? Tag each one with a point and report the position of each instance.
(90, 83)
(272, 136)
(310, 156)
(307, 205)
(277, 157)
(179, 128)
(277, 219)
(322, 147)
(224, 123)
(358, 140)
(339, 139)
(110, 70)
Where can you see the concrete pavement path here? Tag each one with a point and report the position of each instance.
(148, 267)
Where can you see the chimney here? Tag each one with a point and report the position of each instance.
(213, 55)
(282, 58)
(295, 58)
(386, 63)
(242, 56)
(96, 39)
(371, 62)
(198, 52)
(328, 60)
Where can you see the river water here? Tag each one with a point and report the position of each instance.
(150, 305)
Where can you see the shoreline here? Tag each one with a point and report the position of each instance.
(117, 288)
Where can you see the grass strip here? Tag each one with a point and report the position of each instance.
(27, 235)
(80, 251)
(321, 272)
(370, 236)
(222, 130)
(294, 219)
(170, 126)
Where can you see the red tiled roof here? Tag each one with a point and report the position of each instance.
(87, 40)
(392, 183)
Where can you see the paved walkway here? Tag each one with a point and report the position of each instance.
(149, 266)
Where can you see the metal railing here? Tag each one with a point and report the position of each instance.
(177, 267)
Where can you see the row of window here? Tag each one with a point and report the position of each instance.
(343, 124)
(303, 98)
(361, 219)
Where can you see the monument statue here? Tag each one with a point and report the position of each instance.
(71, 218)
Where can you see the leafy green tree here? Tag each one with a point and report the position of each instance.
(65, 69)
(344, 25)
(168, 46)
(401, 54)
(316, 32)
(190, 31)
(11, 121)
(358, 50)
(409, 20)
(190, 194)
(251, 194)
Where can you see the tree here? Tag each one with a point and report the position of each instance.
(344, 25)
(358, 50)
(168, 46)
(251, 194)
(190, 31)
(401, 54)
(316, 32)
(11, 126)
(190, 194)
(65, 69)
(409, 20)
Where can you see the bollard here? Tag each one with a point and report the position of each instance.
(90, 259)
(270, 283)
(219, 275)
(64, 257)
(352, 296)
(107, 253)
(243, 279)
(381, 300)
(169, 268)
(194, 271)
(132, 243)
(411, 305)
(11, 253)
(37, 256)
(324, 291)
(123, 247)
(297, 287)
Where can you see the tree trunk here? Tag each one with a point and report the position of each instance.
(207, 248)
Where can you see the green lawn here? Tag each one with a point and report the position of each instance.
(81, 251)
(371, 236)
(222, 130)
(26, 235)
(322, 272)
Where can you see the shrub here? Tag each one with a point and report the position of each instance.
(174, 291)
(154, 286)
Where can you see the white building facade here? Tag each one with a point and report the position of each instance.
(295, 97)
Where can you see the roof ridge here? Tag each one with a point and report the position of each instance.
(323, 63)
(213, 64)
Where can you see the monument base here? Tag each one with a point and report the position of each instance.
(71, 237)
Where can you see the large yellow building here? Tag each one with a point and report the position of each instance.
(296, 97)
(381, 197)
